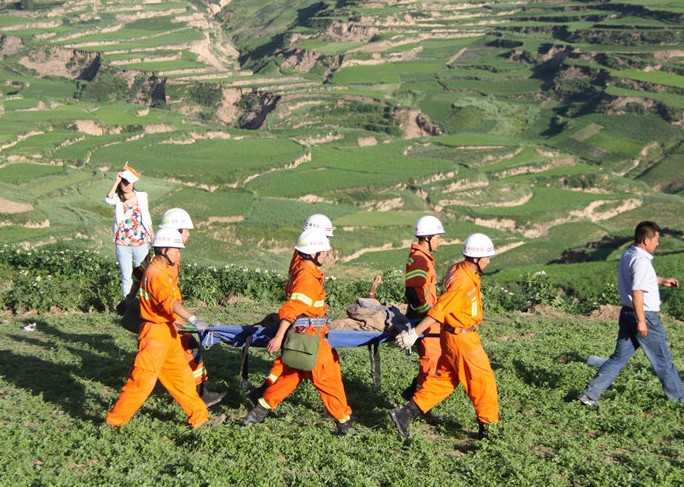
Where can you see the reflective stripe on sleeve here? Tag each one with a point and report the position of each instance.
(303, 298)
(416, 273)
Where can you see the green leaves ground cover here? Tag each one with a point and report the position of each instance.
(57, 383)
(74, 279)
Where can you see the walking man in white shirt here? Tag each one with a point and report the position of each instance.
(639, 322)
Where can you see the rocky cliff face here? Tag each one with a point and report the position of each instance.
(257, 106)
(9, 45)
(60, 61)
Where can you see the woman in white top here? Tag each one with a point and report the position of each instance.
(132, 229)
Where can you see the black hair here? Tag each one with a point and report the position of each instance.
(119, 191)
(312, 257)
(644, 230)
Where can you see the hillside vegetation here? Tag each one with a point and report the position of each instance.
(552, 126)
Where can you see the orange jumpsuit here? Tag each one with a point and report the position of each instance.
(463, 359)
(421, 295)
(189, 342)
(306, 298)
(277, 367)
(160, 352)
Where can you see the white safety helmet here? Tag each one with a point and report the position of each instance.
(427, 226)
(321, 222)
(168, 238)
(312, 241)
(176, 219)
(478, 245)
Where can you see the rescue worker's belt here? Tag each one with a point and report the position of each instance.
(308, 321)
(458, 331)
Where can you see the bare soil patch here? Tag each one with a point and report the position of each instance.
(9, 207)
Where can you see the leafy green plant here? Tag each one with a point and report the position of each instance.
(66, 279)
(538, 290)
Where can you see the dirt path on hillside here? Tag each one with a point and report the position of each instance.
(537, 230)
(406, 244)
(484, 204)
(20, 138)
(360, 252)
(296, 163)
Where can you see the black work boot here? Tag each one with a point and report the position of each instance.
(346, 428)
(211, 398)
(255, 394)
(402, 417)
(483, 431)
(256, 415)
(408, 393)
(214, 421)
(433, 418)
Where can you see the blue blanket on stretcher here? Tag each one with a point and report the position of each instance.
(237, 336)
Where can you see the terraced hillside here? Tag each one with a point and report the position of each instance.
(552, 126)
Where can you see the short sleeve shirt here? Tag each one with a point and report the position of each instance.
(636, 273)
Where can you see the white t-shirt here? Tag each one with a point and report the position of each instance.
(636, 273)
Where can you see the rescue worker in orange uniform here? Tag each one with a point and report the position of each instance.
(160, 352)
(305, 310)
(458, 312)
(321, 222)
(176, 219)
(421, 295)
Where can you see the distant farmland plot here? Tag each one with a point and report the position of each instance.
(23, 173)
(335, 169)
(186, 61)
(668, 173)
(371, 75)
(381, 219)
(69, 181)
(11, 20)
(319, 181)
(667, 98)
(330, 48)
(202, 204)
(545, 203)
(472, 139)
(78, 150)
(42, 143)
(281, 212)
(60, 115)
(657, 77)
(177, 38)
(129, 114)
(207, 161)
(496, 86)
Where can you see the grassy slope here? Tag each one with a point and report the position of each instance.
(58, 382)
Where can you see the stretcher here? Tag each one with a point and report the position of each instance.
(259, 336)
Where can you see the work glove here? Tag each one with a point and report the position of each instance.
(406, 339)
(194, 324)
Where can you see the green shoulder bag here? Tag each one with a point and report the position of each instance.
(300, 350)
